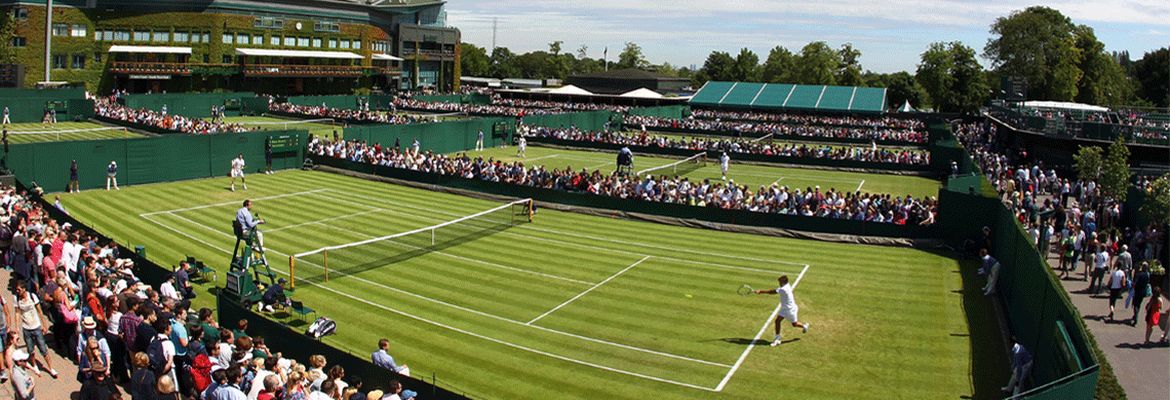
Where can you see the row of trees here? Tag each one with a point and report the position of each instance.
(1058, 59)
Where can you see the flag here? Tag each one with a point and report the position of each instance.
(605, 53)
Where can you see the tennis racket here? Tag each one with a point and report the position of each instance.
(745, 290)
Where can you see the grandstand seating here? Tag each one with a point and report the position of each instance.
(779, 96)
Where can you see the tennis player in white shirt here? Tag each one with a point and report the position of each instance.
(238, 172)
(724, 160)
(788, 308)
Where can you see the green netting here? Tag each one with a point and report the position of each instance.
(143, 160)
(29, 105)
(836, 98)
(588, 121)
(805, 97)
(673, 112)
(869, 99)
(711, 93)
(773, 96)
(457, 98)
(443, 137)
(743, 93)
(338, 101)
(253, 105)
(196, 105)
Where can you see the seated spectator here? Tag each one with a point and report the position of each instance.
(382, 358)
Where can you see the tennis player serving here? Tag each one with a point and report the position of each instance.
(788, 308)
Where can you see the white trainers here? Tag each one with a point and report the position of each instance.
(806, 326)
(775, 342)
(233, 188)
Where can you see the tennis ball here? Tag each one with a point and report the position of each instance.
(689, 295)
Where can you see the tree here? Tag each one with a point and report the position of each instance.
(718, 67)
(582, 52)
(746, 67)
(7, 29)
(779, 66)
(952, 78)
(555, 47)
(1103, 81)
(1088, 162)
(817, 65)
(502, 65)
(1038, 45)
(1115, 171)
(473, 60)
(1152, 74)
(1157, 204)
(902, 87)
(849, 72)
(632, 57)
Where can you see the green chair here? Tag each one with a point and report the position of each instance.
(300, 309)
(203, 270)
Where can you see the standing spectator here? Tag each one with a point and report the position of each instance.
(1154, 313)
(1141, 290)
(294, 389)
(74, 187)
(167, 389)
(1100, 265)
(143, 380)
(991, 268)
(6, 119)
(383, 359)
(3, 338)
(112, 175)
(337, 376)
(1124, 260)
(268, 156)
(478, 138)
(271, 384)
(22, 379)
(1021, 367)
(209, 326)
(1117, 284)
(408, 395)
(97, 386)
(33, 326)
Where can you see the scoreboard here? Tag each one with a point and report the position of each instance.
(289, 143)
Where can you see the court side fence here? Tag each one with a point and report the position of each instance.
(290, 341)
(585, 120)
(471, 98)
(29, 105)
(440, 137)
(191, 105)
(673, 112)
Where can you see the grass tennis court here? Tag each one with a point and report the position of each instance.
(35, 132)
(575, 306)
(274, 123)
(753, 175)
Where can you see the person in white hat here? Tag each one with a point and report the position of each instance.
(112, 175)
(22, 379)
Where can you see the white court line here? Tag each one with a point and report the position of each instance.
(590, 289)
(274, 230)
(859, 185)
(538, 158)
(763, 328)
(776, 181)
(596, 238)
(232, 202)
(469, 333)
(436, 301)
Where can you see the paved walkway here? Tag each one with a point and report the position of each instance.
(65, 386)
(1141, 369)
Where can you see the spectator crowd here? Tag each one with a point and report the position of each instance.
(108, 107)
(74, 295)
(758, 129)
(811, 119)
(361, 115)
(871, 153)
(774, 199)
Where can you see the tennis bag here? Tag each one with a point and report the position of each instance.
(321, 327)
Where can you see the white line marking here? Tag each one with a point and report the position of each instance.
(859, 185)
(232, 202)
(436, 301)
(590, 289)
(760, 333)
(274, 230)
(540, 158)
(776, 181)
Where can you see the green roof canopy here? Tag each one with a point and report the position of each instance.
(783, 96)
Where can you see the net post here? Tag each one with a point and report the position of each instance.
(432, 237)
(292, 272)
(326, 255)
(531, 209)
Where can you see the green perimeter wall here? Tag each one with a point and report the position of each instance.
(456, 98)
(442, 137)
(196, 105)
(345, 102)
(145, 160)
(29, 105)
(587, 121)
(672, 112)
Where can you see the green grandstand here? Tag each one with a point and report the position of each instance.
(783, 96)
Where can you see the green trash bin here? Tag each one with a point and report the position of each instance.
(140, 250)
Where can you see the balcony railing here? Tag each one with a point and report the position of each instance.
(303, 70)
(260, 70)
(429, 52)
(134, 67)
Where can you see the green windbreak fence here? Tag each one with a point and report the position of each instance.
(30, 105)
(587, 121)
(146, 160)
(253, 105)
(443, 137)
(456, 98)
(197, 105)
(340, 101)
(672, 112)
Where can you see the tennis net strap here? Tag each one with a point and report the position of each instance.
(374, 252)
(685, 165)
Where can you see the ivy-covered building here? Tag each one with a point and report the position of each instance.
(265, 46)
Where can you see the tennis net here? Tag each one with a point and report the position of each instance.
(291, 124)
(766, 138)
(352, 258)
(681, 167)
(106, 132)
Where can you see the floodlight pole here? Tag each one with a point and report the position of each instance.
(48, 38)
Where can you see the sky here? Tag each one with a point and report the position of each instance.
(891, 34)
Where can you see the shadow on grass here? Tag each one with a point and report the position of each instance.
(989, 364)
(757, 342)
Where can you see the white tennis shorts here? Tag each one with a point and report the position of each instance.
(790, 315)
(237, 173)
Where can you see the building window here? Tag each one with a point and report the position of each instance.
(274, 40)
(121, 36)
(333, 43)
(345, 44)
(60, 30)
(20, 13)
(303, 42)
(97, 58)
(182, 37)
(162, 37)
(18, 41)
(317, 42)
(241, 38)
(357, 44)
(326, 26)
(228, 38)
(206, 59)
(78, 31)
(380, 46)
(141, 36)
(59, 61)
(290, 41)
(78, 61)
(258, 40)
(269, 22)
(227, 59)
